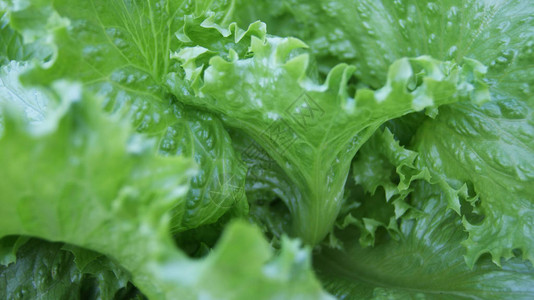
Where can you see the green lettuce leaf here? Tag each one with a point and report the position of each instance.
(486, 154)
(373, 34)
(424, 263)
(48, 271)
(499, 34)
(34, 102)
(312, 131)
(9, 247)
(384, 171)
(132, 134)
(125, 61)
(383, 163)
(89, 182)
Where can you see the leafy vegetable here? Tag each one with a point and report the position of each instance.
(191, 149)
(312, 131)
(499, 166)
(426, 262)
(50, 271)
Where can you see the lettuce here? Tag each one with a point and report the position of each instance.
(269, 150)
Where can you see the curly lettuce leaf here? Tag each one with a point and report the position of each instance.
(95, 185)
(48, 271)
(69, 195)
(383, 163)
(426, 262)
(488, 155)
(312, 131)
(382, 172)
(121, 51)
(373, 34)
(34, 102)
(499, 34)
(12, 46)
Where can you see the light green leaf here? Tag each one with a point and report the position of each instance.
(34, 102)
(384, 171)
(95, 185)
(500, 34)
(425, 263)
(70, 196)
(255, 272)
(487, 153)
(373, 34)
(312, 130)
(382, 162)
(12, 46)
(121, 51)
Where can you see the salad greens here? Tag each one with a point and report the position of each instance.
(229, 149)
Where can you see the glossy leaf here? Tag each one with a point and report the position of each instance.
(425, 263)
(47, 271)
(94, 185)
(486, 154)
(121, 51)
(312, 131)
(384, 170)
(373, 34)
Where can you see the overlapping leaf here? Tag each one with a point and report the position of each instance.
(373, 34)
(89, 182)
(384, 170)
(492, 150)
(311, 130)
(425, 263)
(121, 50)
(48, 271)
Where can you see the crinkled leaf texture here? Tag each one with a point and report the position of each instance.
(383, 171)
(89, 182)
(424, 263)
(499, 34)
(53, 271)
(492, 150)
(12, 46)
(373, 34)
(121, 51)
(32, 101)
(312, 131)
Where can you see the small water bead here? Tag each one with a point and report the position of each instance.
(513, 109)
(432, 7)
(55, 270)
(452, 14)
(526, 55)
(402, 23)
(504, 41)
(432, 38)
(503, 26)
(168, 144)
(172, 132)
(21, 292)
(525, 88)
(452, 52)
(333, 7)
(503, 61)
